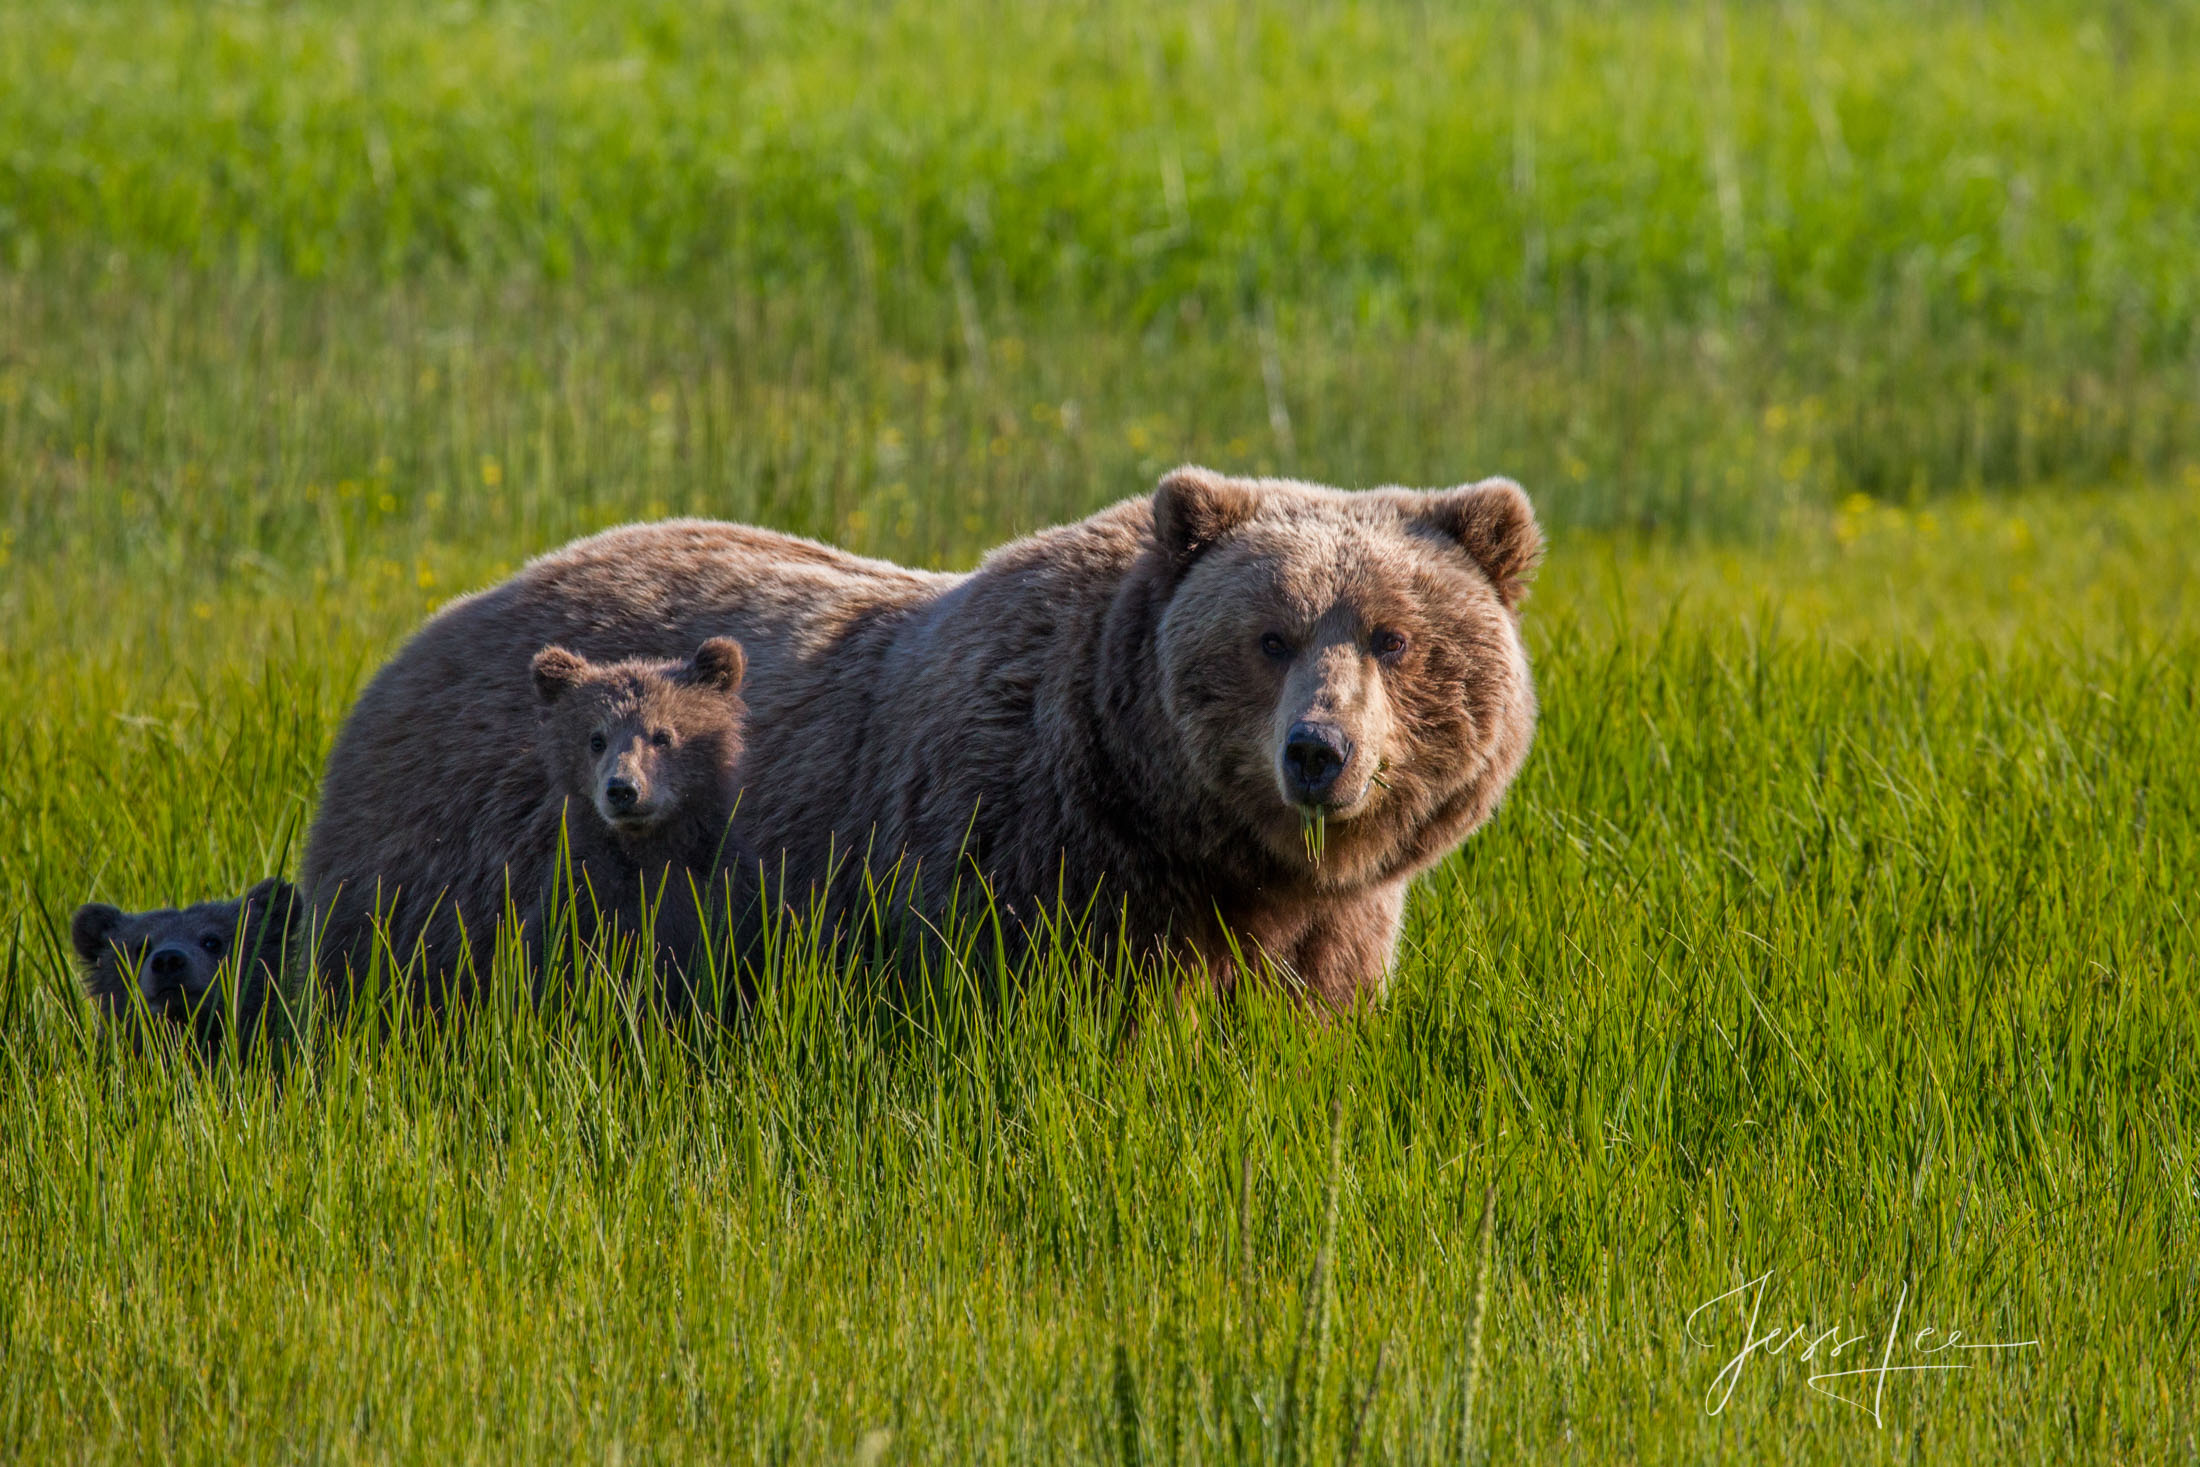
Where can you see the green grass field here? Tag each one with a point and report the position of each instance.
(1841, 928)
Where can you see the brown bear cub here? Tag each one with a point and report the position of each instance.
(198, 971)
(641, 754)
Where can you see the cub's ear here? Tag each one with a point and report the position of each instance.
(266, 915)
(720, 664)
(1195, 507)
(90, 928)
(274, 901)
(1495, 524)
(556, 670)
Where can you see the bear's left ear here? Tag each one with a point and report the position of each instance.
(1495, 524)
(556, 670)
(720, 663)
(1195, 507)
(90, 928)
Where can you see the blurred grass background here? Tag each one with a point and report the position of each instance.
(1840, 924)
(1676, 263)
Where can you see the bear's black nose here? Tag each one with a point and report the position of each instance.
(1314, 754)
(619, 793)
(169, 964)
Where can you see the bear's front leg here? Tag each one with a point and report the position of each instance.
(1344, 956)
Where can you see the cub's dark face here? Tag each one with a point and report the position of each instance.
(180, 963)
(1349, 662)
(648, 746)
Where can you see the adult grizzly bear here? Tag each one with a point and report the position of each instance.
(1146, 706)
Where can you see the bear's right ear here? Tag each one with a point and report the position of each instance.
(273, 900)
(720, 663)
(556, 670)
(1195, 507)
(1494, 523)
(265, 918)
(89, 930)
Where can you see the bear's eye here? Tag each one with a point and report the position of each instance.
(595, 743)
(661, 739)
(212, 944)
(1387, 644)
(1275, 646)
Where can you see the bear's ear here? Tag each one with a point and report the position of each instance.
(90, 928)
(556, 670)
(720, 664)
(274, 901)
(265, 917)
(1194, 507)
(1495, 524)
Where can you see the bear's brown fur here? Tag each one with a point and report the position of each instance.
(641, 755)
(176, 967)
(1143, 707)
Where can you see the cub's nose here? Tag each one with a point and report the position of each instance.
(1314, 754)
(169, 964)
(620, 794)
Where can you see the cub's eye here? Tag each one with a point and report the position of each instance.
(1275, 646)
(1387, 644)
(212, 944)
(595, 743)
(661, 739)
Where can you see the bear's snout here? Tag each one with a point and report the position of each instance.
(171, 978)
(1314, 754)
(628, 795)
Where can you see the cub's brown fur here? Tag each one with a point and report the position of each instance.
(177, 968)
(1145, 707)
(641, 756)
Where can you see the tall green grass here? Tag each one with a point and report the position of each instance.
(1881, 248)
(250, 429)
(1996, 164)
(1840, 926)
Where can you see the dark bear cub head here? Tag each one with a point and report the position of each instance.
(180, 964)
(649, 747)
(1344, 670)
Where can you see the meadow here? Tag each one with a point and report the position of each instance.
(1838, 934)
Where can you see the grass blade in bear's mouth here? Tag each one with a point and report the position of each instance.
(1314, 830)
